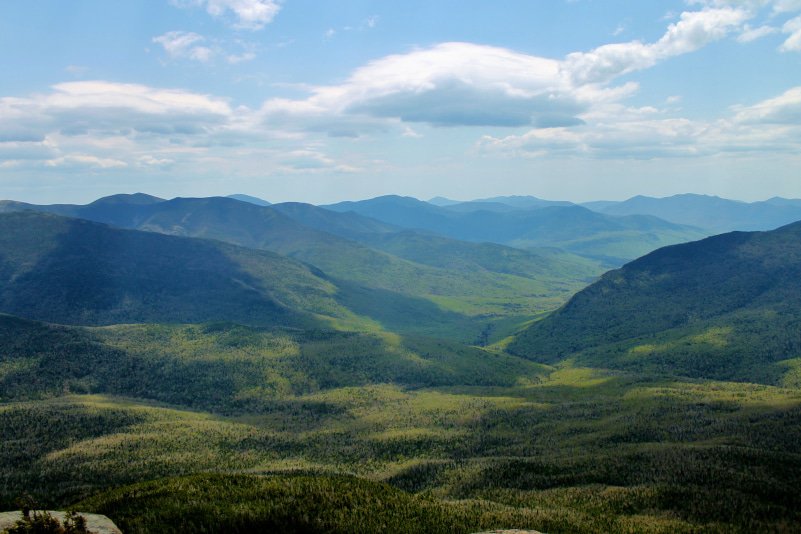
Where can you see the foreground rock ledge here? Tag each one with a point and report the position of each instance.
(96, 523)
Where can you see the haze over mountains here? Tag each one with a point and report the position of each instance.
(458, 287)
(710, 213)
(713, 214)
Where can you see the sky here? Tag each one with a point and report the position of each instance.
(327, 100)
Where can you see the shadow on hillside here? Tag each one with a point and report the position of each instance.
(408, 315)
(94, 274)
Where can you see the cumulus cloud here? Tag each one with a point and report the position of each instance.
(241, 14)
(465, 84)
(80, 107)
(783, 109)
(94, 123)
(184, 45)
(449, 84)
(571, 105)
(773, 125)
(104, 126)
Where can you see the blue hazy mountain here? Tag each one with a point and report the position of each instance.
(247, 198)
(714, 214)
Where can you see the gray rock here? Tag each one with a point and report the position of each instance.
(99, 524)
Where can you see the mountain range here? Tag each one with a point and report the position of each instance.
(471, 353)
(711, 214)
(573, 228)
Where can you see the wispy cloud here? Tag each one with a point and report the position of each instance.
(85, 160)
(793, 42)
(694, 30)
(241, 14)
(184, 45)
(752, 34)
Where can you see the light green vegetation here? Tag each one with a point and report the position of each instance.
(232, 368)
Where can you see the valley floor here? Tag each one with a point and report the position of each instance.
(573, 450)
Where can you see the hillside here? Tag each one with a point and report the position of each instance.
(227, 367)
(713, 214)
(407, 281)
(573, 228)
(79, 272)
(296, 503)
(724, 307)
(426, 248)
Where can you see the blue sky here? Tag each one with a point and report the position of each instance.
(325, 100)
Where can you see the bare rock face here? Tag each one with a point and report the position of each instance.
(99, 524)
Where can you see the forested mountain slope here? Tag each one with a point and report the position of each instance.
(79, 272)
(726, 307)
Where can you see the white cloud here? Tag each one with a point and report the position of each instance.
(85, 160)
(792, 43)
(694, 30)
(16, 150)
(786, 6)
(184, 45)
(752, 34)
(151, 161)
(241, 14)
(783, 109)
(773, 125)
(240, 58)
(101, 124)
(76, 70)
(448, 84)
(465, 84)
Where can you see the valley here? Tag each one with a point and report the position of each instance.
(366, 372)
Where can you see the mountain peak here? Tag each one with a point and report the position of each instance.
(250, 199)
(124, 198)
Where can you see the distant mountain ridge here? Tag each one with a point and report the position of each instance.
(247, 198)
(573, 228)
(714, 214)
